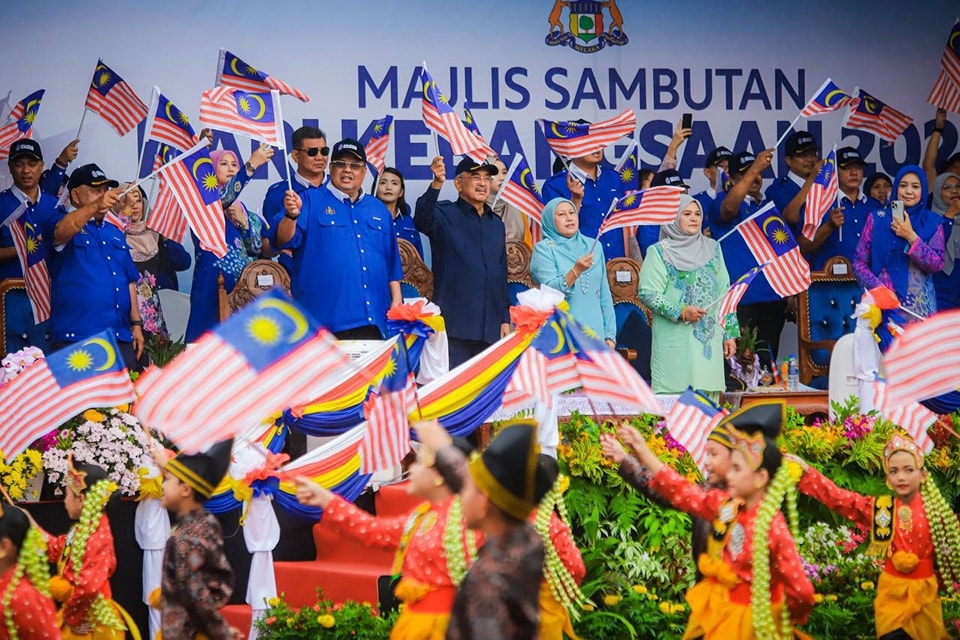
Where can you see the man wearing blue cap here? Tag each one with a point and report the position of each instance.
(802, 155)
(717, 159)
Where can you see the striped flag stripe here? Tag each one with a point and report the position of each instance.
(526, 202)
(218, 109)
(950, 64)
(945, 93)
(166, 218)
(206, 220)
(654, 206)
(913, 417)
(36, 277)
(787, 274)
(910, 377)
(601, 134)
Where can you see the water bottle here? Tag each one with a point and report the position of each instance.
(793, 374)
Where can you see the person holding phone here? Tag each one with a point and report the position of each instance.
(902, 246)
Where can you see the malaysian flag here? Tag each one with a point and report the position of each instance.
(167, 124)
(946, 91)
(565, 356)
(256, 115)
(19, 124)
(193, 182)
(769, 240)
(924, 361)
(471, 123)
(733, 296)
(628, 168)
(690, 421)
(234, 72)
(653, 206)
(576, 139)
(870, 114)
(266, 356)
(821, 196)
(724, 184)
(85, 374)
(166, 217)
(29, 246)
(440, 117)
(912, 417)
(520, 189)
(387, 441)
(376, 147)
(114, 100)
(829, 97)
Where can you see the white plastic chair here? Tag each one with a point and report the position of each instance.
(843, 379)
(176, 311)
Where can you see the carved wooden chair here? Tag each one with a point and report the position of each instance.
(823, 317)
(519, 279)
(634, 337)
(257, 277)
(417, 278)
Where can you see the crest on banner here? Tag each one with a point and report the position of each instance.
(584, 30)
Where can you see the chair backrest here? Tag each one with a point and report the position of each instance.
(519, 279)
(415, 272)
(256, 278)
(623, 275)
(176, 311)
(823, 316)
(17, 328)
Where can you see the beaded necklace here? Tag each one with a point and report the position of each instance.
(562, 585)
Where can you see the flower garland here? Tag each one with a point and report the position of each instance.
(760, 598)
(93, 504)
(562, 585)
(453, 547)
(945, 532)
(32, 563)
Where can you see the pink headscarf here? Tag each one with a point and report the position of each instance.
(216, 156)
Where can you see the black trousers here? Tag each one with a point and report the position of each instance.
(368, 332)
(768, 318)
(462, 350)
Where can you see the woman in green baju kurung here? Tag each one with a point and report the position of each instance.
(682, 277)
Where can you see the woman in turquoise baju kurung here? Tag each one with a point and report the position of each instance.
(570, 262)
(681, 279)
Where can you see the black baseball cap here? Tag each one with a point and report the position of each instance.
(25, 147)
(668, 178)
(799, 142)
(90, 175)
(469, 165)
(349, 146)
(847, 156)
(740, 162)
(718, 155)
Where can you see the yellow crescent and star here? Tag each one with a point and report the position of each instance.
(30, 232)
(107, 349)
(209, 180)
(555, 131)
(426, 92)
(829, 97)
(869, 104)
(952, 42)
(561, 339)
(300, 325)
(526, 179)
(30, 113)
(779, 235)
(259, 101)
(101, 76)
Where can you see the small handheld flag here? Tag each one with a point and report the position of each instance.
(111, 98)
(576, 139)
(19, 124)
(821, 196)
(234, 72)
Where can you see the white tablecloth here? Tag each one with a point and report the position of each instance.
(577, 401)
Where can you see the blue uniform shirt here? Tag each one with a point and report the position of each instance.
(597, 196)
(854, 217)
(782, 191)
(40, 212)
(404, 227)
(344, 257)
(469, 266)
(273, 210)
(90, 283)
(736, 255)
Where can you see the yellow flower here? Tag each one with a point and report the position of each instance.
(867, 586)
(564, 483)
(639, 589)
(678, 608)
(665, 607)
(611, 600)
(818, 597)
(830, 598)
(290, 622)
(326, 621)
(92, 415)
(652, 596)
(589, 607)
(272, 602)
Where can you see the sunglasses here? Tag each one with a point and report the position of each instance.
(313, 151)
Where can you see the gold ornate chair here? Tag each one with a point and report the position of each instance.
(416, 276)
(257, 277)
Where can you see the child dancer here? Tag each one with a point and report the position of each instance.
(197, 579)
(27, 610)
(752, 567)
(86, 559)
(716, 465)
(914, 529)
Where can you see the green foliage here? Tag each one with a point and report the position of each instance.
(324, 620)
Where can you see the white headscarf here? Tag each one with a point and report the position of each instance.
(686, 252)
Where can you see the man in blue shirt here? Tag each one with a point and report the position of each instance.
(802, 156)
(848, 219)
(346, 265)
(469, 258)
(717, 159)
(761, 306)
(600, 187)
(93, 278)
(26, 167)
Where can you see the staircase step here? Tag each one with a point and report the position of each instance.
(238, 616)
(393, 500)
(298, 581)
(333, 547)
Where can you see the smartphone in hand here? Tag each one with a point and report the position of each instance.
(686, 121)
(896, 208)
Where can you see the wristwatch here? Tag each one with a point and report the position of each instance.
(249, 167)
(136, 323)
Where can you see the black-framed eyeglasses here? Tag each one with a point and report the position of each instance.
(343, 164)
(313, 151)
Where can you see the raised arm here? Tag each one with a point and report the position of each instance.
(424, 217)
(929, 163)
(70, 224)
(731, 203)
